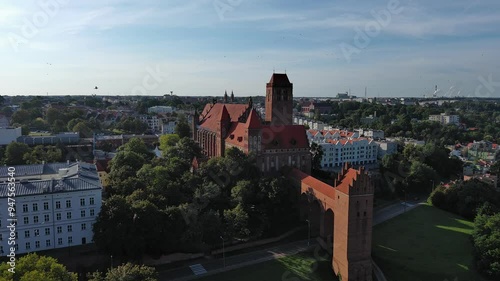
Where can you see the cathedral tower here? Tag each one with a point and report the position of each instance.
(279, 100)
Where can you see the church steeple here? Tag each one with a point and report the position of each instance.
(232, 96)
(279, 100)
(225, 97)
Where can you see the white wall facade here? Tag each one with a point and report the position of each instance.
(8, 135)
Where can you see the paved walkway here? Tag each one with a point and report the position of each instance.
(215, 266)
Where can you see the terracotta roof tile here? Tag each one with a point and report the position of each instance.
(287, 137)
(212, 113)
(313, 182)
(253, 121)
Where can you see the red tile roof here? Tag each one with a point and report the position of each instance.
(253, 121)
(311, 181)
(347, 180)
(212, 113)
(284, 137)
(236, 134)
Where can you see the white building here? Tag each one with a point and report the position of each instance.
(168, 127)
(373, 134)
(321, 136)
(161, 109)
(358, 151)
(4, 121)
(154, 123)
(445, 119)
(386, 147)
(8, 135)
(56, 205)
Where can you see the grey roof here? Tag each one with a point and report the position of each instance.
(79, 176)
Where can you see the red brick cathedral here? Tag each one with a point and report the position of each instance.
(274, 139)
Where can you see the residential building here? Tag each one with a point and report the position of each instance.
(356, 151)
(8, 135)
(154, 123)
(161, 109)
(64, 138)
(322, 107)
(386, 147)
(445, 119)
(4, 121)
(168, 127)
(56, 206)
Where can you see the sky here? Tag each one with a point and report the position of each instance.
(204, 47)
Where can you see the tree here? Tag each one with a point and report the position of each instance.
(126, 272)
(113, 229)
(138, 146)
(14, 153)
(487, 244)
(41, 153)
(167, 141)
(236, 222)
(182, 128)
(84, 129)
(21, 117)
(317, 155)
(34, 267)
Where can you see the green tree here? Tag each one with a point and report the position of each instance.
(167, 141)
(138, 146)
(34, 267)
(126, 272)
(486, 237)
(14, 153)
(182, 129)
(114, 228)
(236, 222)
(84, 129)
(22, 117)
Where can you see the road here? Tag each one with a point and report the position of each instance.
(210, 267)
(215, 266)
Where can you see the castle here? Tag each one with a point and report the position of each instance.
(341, 214)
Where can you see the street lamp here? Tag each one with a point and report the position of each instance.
(308, 233)
(223, 254)
(111, 261)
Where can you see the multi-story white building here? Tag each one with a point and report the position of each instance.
(154, 123)
(386, 147)
(4, 121)
(8, 135)
(161, 109)
(168, 127)
(445, 119)
(358, 151)
(56, 205)
(323, 135)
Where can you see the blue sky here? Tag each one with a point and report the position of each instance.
(203, 47)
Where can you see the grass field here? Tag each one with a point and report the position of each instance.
(425, 244)
(296, 267)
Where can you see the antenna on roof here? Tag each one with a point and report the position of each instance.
(273, 70)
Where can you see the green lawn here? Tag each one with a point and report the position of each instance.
(296, 267)
(425, 244)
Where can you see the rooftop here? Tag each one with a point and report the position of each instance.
(50, 178)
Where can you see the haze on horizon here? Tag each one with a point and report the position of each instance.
(203, 47)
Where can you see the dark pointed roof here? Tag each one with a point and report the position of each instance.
(224, 115)
(253, 121)
(279, 78)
